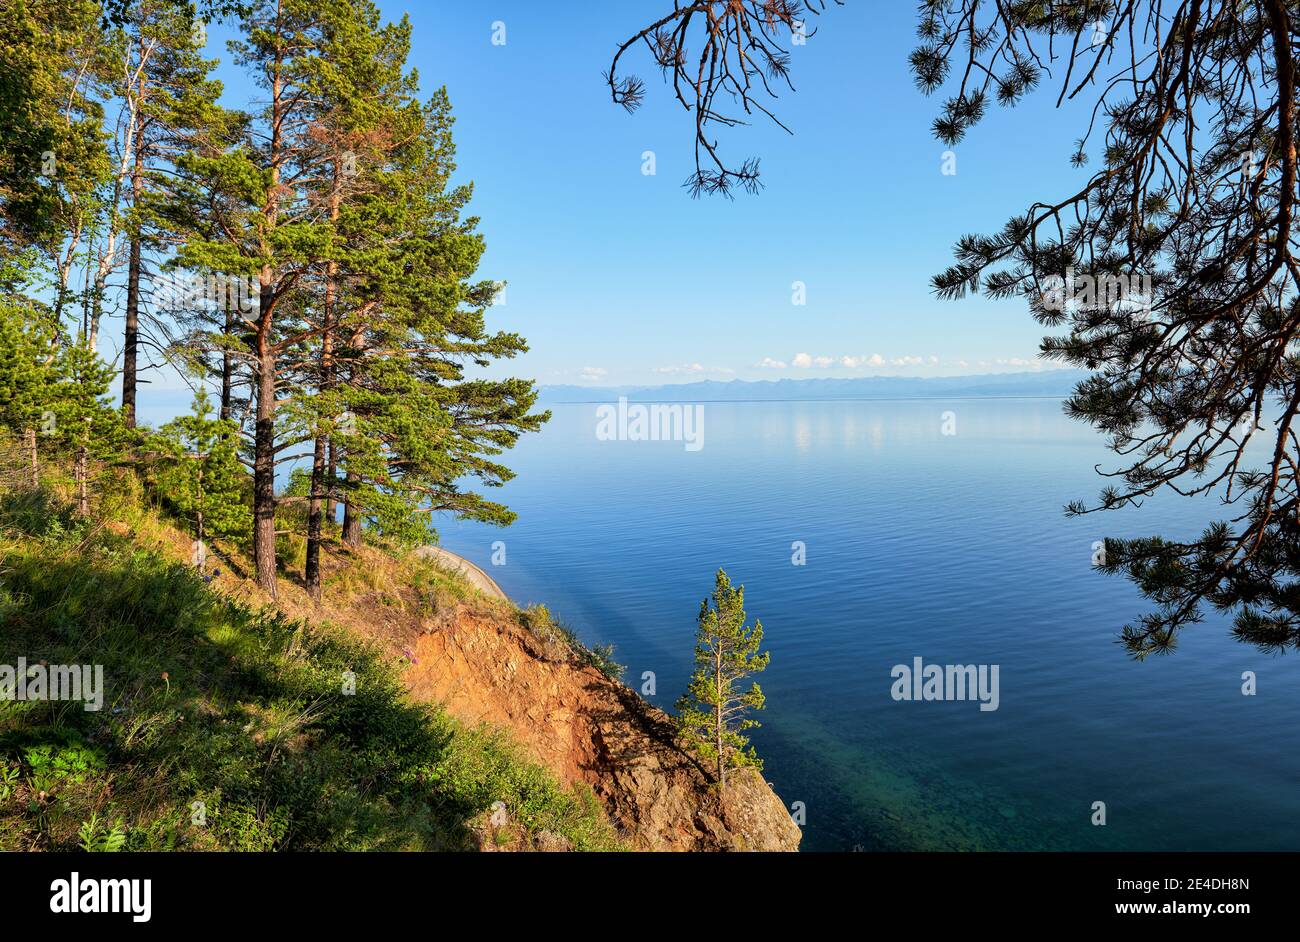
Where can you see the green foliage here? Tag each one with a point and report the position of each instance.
(52, 154)
(94, 837)
(55, 389)
(203, 478)
(539, 620)
(79, 401)
(245, 711)
(25, 373)
(8, 780)
(68, 761)
(711, 715)
(1143, 271)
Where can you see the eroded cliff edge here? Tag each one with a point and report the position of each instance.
(472, 652)
(591, 729)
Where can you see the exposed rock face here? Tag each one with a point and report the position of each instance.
(588, 728)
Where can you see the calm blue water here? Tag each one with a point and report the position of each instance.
(953, 549)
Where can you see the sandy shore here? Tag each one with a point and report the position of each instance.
(477, 577)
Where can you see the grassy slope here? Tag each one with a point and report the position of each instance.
(208, 699)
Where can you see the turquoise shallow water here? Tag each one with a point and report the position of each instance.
(950, 548)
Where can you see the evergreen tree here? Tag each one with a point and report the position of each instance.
(262, 224)
(203, 476)
(85, 422)
(421, 428)
(25, 374)
(363, 115)
(53, 160)
(53, 392)
(170, 108)
(711, 715)
(1171, 272)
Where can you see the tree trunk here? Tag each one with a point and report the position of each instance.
(351, 521)
(264, 430)
(131, 338)
(311, 571)
(202, 547)
(717, 713)
(227, 371)
(331, 503)
(264, 463)
(31, 450)
(83, 503)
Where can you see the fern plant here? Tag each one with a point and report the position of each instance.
(96, 838)
(8, 779)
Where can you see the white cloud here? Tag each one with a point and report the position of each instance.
(767, 363)
(854, 363)
(594, 372)
(806, 361)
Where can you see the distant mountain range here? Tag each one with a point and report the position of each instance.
(1049, 383)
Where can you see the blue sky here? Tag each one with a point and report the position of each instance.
(618, 277)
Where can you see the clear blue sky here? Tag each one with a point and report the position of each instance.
(617, 277)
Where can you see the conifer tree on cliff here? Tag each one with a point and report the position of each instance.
(362, 113)
(412, 320)
(262, 225)
(712, 714)
(340, 204)
(1188, 108)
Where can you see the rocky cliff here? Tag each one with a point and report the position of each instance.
(468, 649)
(589, 728)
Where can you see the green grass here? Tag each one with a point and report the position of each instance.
(539, 620)
(244, 711)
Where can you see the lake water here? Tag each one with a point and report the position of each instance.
(952, 548)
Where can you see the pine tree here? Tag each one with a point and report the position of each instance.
(53, 160)
(711, 715)
(25, 374)
(1169, 271)
(363, 115)
(421, 428)
(203, 476)
(84, 420)
(266, 227)
(170, 108)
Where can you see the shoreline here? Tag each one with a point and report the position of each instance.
(476, 576)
